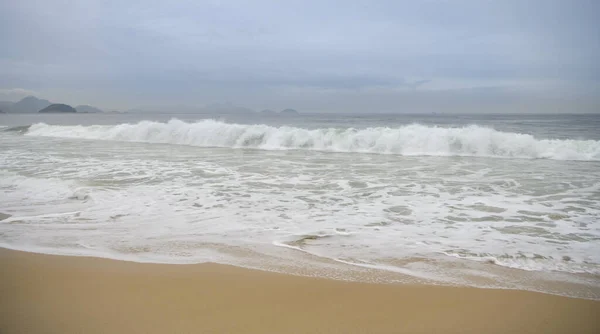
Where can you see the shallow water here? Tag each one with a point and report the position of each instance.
(495, 201)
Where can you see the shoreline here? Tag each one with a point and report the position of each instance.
(455, 273)
(67, 294)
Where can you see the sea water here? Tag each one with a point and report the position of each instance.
(504, 201)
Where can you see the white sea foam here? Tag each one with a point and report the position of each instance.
(409, 140)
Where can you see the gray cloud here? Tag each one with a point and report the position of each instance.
(15, 93)
(314, 55)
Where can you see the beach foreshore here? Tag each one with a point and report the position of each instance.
(60, 294)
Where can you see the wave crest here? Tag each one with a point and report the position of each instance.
(410, 140)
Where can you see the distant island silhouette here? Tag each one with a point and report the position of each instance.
(32, 104)
(58, 108)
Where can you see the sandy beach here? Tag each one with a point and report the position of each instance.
(55, 294)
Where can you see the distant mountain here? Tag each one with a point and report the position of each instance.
(30, 104)
(58, 108)
(87, 109)
(289, 111)
(268, 111)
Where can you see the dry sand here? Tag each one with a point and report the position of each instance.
(54, 294)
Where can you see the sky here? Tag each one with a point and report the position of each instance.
(508, 56)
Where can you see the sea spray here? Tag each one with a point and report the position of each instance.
(409, 140)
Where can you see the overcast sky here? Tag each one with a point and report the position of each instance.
(355, 56)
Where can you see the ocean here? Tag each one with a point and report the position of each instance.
(494, 201)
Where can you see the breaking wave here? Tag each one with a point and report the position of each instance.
(410, 140)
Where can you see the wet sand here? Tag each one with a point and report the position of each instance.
(56, 294)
